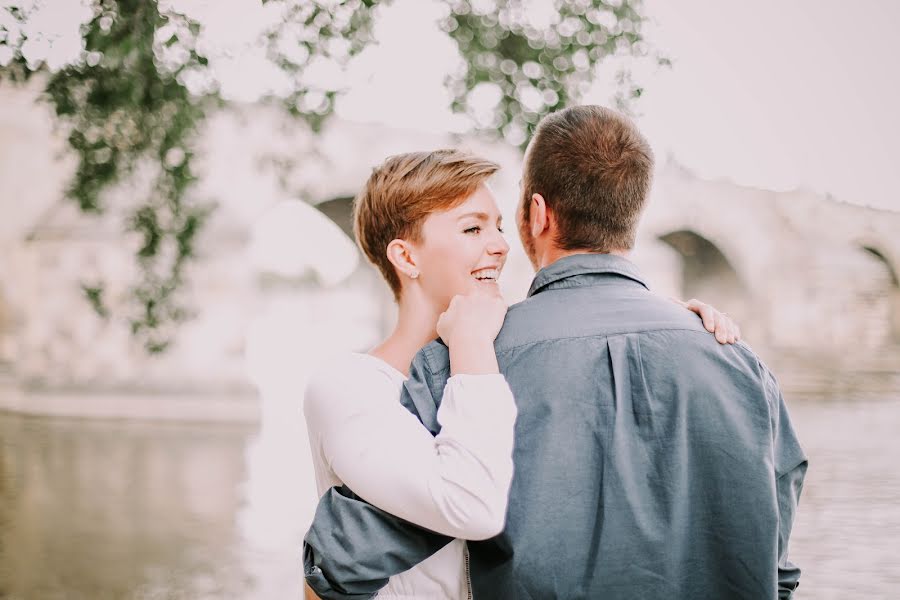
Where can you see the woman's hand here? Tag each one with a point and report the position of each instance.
(473, 317)
(469, 327)
(726, 330)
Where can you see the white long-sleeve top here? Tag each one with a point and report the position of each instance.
(456, 483)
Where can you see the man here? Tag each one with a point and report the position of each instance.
(651, 462)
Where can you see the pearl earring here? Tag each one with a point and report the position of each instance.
(413, 274)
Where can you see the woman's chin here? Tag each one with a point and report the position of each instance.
(476, 286)
(490, 286)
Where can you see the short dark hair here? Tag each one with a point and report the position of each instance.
(593, 168)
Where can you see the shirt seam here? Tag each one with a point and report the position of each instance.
(568, 271)
(601, 336)
(429, 361)
(570, 282)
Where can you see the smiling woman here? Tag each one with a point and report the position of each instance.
(460, 250)
(430, 224)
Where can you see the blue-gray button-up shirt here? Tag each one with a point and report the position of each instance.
(650, 461)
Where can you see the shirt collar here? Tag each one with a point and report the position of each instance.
(582, 264)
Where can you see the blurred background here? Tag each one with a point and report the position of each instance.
(176, 255)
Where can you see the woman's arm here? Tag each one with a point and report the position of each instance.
(360, 546)
(456, 483)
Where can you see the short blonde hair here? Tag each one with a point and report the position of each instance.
(401, 192)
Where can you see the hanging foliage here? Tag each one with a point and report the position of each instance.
(137, 93)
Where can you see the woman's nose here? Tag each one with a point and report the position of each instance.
(498, 244)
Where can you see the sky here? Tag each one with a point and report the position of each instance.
(782, 93)
(775, 94)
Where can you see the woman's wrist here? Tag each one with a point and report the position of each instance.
(473, 357)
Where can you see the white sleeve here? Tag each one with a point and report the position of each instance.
(456, 483)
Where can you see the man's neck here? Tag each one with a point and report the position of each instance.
(553, 254)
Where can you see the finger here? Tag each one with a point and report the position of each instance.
(732, 330)
(706, 312)
(727, 326)
(721, 329)
(737, 335)
(679, 302)
(447, 313)
(440, 326)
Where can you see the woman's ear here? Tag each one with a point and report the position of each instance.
(538, 218)
(400, 253)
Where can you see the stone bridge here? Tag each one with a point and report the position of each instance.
(812, 281)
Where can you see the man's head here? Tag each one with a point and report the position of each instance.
(585, 181)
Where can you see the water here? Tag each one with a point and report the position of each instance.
(847, 535)
(104, 510)
(109, 510)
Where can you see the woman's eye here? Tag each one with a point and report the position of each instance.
(474, 229)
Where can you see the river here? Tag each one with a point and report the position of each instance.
(99, 510)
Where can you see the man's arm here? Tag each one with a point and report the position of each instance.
(352, 547)
(790, 470)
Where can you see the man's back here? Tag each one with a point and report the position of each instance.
(651, 462)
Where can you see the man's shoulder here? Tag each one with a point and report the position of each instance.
(434, 357)
(593, 312)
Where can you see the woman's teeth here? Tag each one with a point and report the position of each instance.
(487, 274)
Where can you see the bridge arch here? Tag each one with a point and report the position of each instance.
(892, 292)
(882, 258)
(366, 280)
(708, 274)
(339, 210)
(705, 267)
(7, 332)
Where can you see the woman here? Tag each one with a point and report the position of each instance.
(432, 227)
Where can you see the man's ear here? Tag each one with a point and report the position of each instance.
(400, 253)
(539, 217)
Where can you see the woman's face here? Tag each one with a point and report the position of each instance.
(461, 249)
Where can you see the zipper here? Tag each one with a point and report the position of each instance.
(468, 575)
